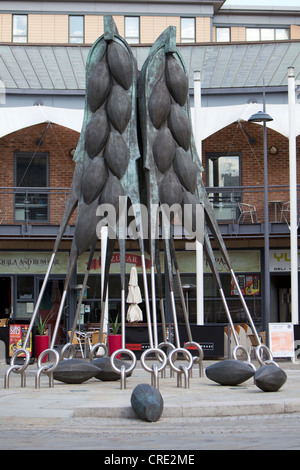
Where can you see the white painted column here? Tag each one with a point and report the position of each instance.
(293, 195)
(199, 246)
(104, 235)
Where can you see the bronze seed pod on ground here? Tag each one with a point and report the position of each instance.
(180, 126)
(177, 81)
(116, 154)
(119, 108)
(96, 133)
(120, 64)
(159, 104)
(170, 190)
(99, 86)
(94, 177)
(163, 150)
(185, 169)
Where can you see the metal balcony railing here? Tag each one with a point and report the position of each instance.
(45, 206)
(20, 205)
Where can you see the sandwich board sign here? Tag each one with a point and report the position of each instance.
(281, 340)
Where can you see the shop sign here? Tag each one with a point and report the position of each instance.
(131, 259)
(31, 262)
(280, 261)
(281, 336)
(242, 261)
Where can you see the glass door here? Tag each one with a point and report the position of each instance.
(223, 174)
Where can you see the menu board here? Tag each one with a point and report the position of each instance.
(17, 335)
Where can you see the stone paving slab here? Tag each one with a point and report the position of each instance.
(95, 398)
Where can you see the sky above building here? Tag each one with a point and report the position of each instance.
(269, 3)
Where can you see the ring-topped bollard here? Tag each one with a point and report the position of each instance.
(242, 348)
(69, 349)
(123, 371)
(46, 369)
(154, 370)
(95, 348)
(259, 353)
(169, 346)
(17, 368)
(196, 359)
(182, 370)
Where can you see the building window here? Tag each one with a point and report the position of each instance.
(76, 29)
(132, 29)
(267, 34)
(20, 28)
(223, 34)
(188, 29)
(25, 297)
(31, 176)
(223, 174)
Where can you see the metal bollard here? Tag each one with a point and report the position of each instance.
(17, 369)
(182, 370)
(123, 370)
(45, 369)
(154, 370)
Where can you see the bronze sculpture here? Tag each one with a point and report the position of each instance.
(122, 106)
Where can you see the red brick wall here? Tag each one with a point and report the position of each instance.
(233, 139)
(58, 141)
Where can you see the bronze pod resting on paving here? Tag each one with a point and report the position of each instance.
(159, 104)
(99, 86)
(117, 154)
(94, 177)
(185, 169)
(163, 150)
(96, 133)
(119, 108)
(176, 79)
(120, 64)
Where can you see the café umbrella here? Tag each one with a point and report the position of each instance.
(134, 298)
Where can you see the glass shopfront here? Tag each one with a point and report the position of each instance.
(23, 272)
(246, 265)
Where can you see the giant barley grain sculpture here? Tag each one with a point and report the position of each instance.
(119, 106)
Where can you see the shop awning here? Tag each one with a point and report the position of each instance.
(213, 118)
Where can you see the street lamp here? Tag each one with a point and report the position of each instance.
(263, 117)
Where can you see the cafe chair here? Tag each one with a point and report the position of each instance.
(247, 210)
(81, 340)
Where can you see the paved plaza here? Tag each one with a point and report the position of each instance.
(98, 415)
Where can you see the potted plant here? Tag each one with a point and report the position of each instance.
(42, 339)
(114, 339)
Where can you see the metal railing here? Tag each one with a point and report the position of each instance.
(45, 206)
(226, 202)
(20, 205)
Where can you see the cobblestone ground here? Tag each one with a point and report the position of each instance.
(269, 432)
